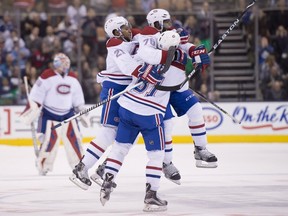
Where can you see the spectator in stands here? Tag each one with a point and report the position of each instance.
(268, 81)
(265, 50)
(6, 24)
(7, 97)
(281, 47)
(76, 12)
(31, 20)
(87, 56)
(276, 92)
(65, 28)
(148, 5)
(203, 17)
(6, 67)
(40, 58)
(279, 16)
(191, 26)
(70, 49)
(2, 51)
(33, 41)
(181, 5)
(20, 56)
(10, 41)
(51, 40)
(266, 67)
(100, 6)
(89, 31)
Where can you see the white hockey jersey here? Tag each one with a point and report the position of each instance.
(146, 100)
(148, 51)
(119, 62)
(57, 94)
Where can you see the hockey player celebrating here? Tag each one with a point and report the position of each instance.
(142, 111)
(118, 75)
(121, 67)
(57, 95)
(183, 101)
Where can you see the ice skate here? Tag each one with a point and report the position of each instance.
(106, 188)
(97, 177)
(80, 176)
(204, 158)
(171, 173)
(152, 202)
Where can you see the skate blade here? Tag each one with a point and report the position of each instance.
(97, 179)
(203, 164)
(77, 182)
(175, 181)
(103, 198)
(154, 208)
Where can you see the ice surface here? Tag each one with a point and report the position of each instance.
(252, 179)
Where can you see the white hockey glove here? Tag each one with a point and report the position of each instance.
(31, 113)
(83, 118)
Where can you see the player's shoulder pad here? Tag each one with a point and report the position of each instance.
(148, 30)
(47, 73)
(113, 42)
(135, 31)
(72, 74)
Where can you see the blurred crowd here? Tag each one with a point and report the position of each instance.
(32, 31)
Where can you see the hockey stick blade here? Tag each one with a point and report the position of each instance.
(95, 106)
(214, 47)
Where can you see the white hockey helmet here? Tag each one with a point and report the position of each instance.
(157, 15)
(61, 62)
(167, 39)
(115, 23)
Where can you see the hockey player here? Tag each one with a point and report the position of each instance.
(116, 77)
(57, 94)
(142, 111)
(183, 101)
(120, 66)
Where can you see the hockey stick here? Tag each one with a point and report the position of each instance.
(32, 125)
(96, 105)
(215, 105)
(167, 64)
(169, 59)
(234, 24)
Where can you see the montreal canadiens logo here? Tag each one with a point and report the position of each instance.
(63, 89)
(212, 117)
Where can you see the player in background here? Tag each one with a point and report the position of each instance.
(118, 75)
(56, 96)
(183, 101)
(142, 111)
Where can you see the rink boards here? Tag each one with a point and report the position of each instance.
(260, 123)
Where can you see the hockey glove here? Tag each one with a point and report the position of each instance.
(180, 56)
(31, 112)
(184, 36)
(200, 57)
(150, 74)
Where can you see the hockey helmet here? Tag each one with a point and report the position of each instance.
(115, 23)
(61, 62)
(157, 15)
(167, 39)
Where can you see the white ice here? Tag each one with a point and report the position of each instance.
(251, 180)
